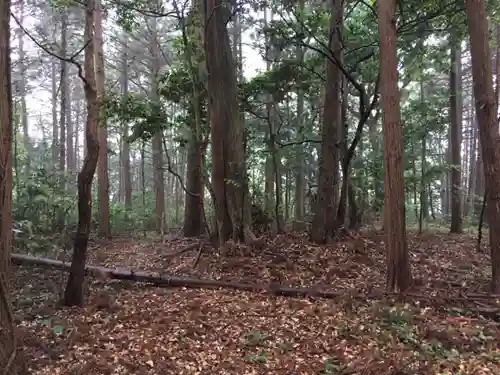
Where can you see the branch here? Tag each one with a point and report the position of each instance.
(70, 59)
(171, 170)
(282, 145)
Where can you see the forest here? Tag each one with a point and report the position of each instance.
(249, 187)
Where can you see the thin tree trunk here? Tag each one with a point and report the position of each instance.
(125, 153)
(63, 103)
(55, 131)
(22, 88)
(73, 295)
(456, 136)
(157, 141)
(299, 158)
(102, 171)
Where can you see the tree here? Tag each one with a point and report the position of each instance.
(157, 141)
(398, 267)
(229, 178)
(324, 222)
(193, 36)
(456, 134)
(102, 170)
(126, 175)
(7, 327)
(486, 109)
(73, 295)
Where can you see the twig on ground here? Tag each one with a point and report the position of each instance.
(198, 256)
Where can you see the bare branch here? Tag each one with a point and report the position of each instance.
(71, 59)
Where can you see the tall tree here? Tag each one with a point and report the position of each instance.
(125, 152)
(456, 134)
(22, 86)
(73, 295)
(63, 103)
(324, 222)
(7, 327)
(398, 265)
(477, 23)
(55, 130)
(102, 171)
(157, 141)
(299, 159)
(229, 178)
(193, 209)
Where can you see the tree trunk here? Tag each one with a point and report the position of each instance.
(22, 88)
(398, 265)
(471, 190)
(102, 171)
(64, 87)
(229, 177)
(193, 210)
(299, 158)
(77, 134)
(487, 123)
(456, 135)
(8, 362)
(70, 133)
(55, 131)
(424, 202)
(497, 69)
(125, 153)
(73, 295)
(324, 223)
(157, 141)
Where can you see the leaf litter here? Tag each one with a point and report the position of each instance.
(133, 328)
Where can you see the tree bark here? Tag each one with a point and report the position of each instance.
(477, 23)
(55, 130)
(22, 88)
(8, 362)
(125, 153)
(324, 223)
(229, 175)
(456, 136)
(193, 210)
(102, 171)
(398, 266)
(157, 141)
(73, 295)
(64, 87)
(300, 155)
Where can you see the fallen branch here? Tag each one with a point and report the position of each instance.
(269, 288)
(198, 256)
(184, 249)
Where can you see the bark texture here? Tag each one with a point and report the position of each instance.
(229, 178)
(456, 136)
(73, 295)
(398, 267)
(324, 222)
(102, 172)
(7, 327)
(477, 23)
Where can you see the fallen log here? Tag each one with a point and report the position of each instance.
(272, 288)
(178, 281)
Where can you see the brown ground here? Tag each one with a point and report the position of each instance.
(131, 328)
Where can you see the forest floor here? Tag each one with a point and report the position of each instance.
(442, 327)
